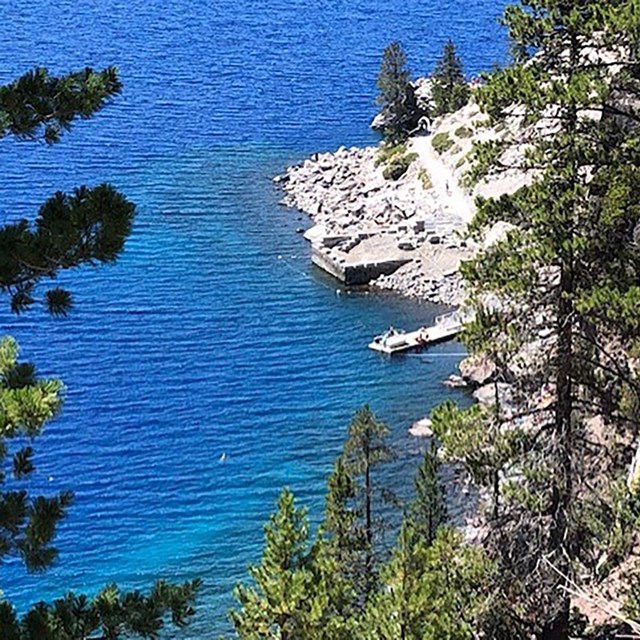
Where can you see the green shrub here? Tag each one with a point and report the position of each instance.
(388, 151)
(395, 158)
(610, 524)
(442, 142)
(397, 166)
(463, 132)
(469, 180)
(482, 124)
(425, 178)
(461, 162)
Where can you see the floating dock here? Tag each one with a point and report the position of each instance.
(445, 327)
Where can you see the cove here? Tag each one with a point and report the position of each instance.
(212, 335)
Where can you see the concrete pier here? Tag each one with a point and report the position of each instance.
(354, 273)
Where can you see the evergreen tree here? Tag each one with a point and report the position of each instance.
(40, 106)
(396, 96)
(306, 590)
(400, 607)
(393, 77)
(87, 227)
(295, 587)
(277, 604)
(428, 512)
(429, 592)
(396, 611)
(107, 616)
(569, 272)
(345, 536)
(450, 91)
(27, 404)
(317, 590)
(365, 449)
(28, 526)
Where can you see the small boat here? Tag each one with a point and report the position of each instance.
(394, 340)
(445, 327)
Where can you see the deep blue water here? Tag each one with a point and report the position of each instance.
(212, 334)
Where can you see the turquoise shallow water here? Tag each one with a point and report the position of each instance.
(212, 334)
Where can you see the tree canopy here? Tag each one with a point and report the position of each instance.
(393, 77)
(554, 455)
(554, 451)
(396, 95)
(449, 89)
(87, 227)
(334, 587)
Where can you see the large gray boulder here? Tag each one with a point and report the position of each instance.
(477, 371)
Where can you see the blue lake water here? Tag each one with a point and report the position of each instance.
(212, 335)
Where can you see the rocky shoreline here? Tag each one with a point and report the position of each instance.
(362, 218)
(417, 222)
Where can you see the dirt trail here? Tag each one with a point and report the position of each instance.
(443, 180)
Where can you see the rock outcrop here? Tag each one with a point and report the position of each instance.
(399, 232)
(402, 235)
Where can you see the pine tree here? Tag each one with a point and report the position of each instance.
(399, 609)
(428, 512)
(277, 604)
(87, 227)
(27, 404)
(393, 77)
(345, 536)
(396, 611)
(317, 590)
(365, 449)
(569, 272)
(28, 526)
(39, 105)
(396, 96)
(321, 590)
(109, 615)
(296, 591)
(449, 90)
(429, 592)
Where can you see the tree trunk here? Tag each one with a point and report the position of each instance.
(562, 485)
(368, 523)
(367, 504)
(562, 490)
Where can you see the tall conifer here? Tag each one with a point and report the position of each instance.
(396, 95)
(428, 511)
(562, 285)
(450, 91)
